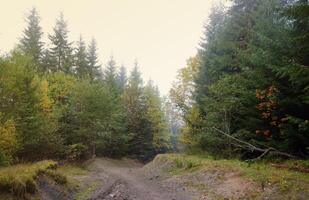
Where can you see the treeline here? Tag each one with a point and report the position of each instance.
(56, 102)
(246, 92)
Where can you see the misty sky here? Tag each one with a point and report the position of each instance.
(160, 34)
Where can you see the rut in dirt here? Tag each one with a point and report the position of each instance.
(127, 180)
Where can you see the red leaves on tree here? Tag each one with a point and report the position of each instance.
(268, 106)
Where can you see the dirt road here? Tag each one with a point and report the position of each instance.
(128, 180)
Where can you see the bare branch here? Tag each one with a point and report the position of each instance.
(251, 147)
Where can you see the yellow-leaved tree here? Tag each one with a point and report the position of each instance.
(8, 140)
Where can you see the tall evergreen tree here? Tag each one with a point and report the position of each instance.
(110, 73)
(225, 96)
(81, 64)
(158, 127)
(31, 42)
(48, 64)
(122, 77)
(61, 51)
(134, 101)
(92, 58)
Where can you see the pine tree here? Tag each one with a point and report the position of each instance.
(92, 58)
(81, 64)
(61, 52)
(31, 42)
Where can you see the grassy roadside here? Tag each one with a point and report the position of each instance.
(21, 180)
(286, 182)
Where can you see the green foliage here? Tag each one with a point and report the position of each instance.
(31, 109)
(156, 117)
(76, 152)
(92, 59)
(56, 103)
(122, 78)
(98, 118)
(31, 43)
(81, 64)
(8, 141)
(146, 122)
(252, 79)
(61, 52)
(3, 159)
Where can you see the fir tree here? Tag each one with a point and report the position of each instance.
(122, 77)
(81, 64)
(92, 58)
(159, 137)
(31, 43)
(61, 51)
(110, 73)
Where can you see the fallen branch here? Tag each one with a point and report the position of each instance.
(251, 147)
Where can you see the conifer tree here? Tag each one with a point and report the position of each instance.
(137, 123)
(61, 50)
(122, 77)
(81, 64)
(92, 58)
(160, 138)
(48, 64)
(110, 73)
(31, 42)
(223, 91)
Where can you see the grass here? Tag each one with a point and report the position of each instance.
(20, 179)
(72, 171)
(84, 193)
(262, 173)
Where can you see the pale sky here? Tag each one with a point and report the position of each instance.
(160, 34)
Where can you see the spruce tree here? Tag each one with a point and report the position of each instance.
(159, 136)
(224, 94)
(92, 58)
(134, 103)
(48, 64)
(122, 77)
(61, 51)
(110, 73)
(81, 64)
(31, 42)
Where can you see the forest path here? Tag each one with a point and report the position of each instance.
(127, 180)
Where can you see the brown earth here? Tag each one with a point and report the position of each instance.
(126, 179)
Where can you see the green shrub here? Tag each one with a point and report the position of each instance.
(3, 159)
(76, 152)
